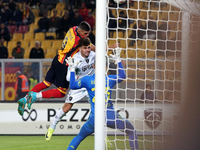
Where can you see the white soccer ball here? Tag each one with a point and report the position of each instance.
(119, 1)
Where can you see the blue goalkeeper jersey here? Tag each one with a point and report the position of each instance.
(88, 82)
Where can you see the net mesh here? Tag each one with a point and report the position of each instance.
(150, 35)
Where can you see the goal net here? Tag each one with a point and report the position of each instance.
(154, 36)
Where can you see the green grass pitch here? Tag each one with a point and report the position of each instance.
(62, 142)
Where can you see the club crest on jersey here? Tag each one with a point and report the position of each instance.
(153, 117)
(87, 60)
(70, 98)
(79, 82)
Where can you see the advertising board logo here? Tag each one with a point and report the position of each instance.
(122, 110)
(32, 115)
(153, 117)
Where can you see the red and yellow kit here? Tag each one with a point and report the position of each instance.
(70, 45)
(58, 71)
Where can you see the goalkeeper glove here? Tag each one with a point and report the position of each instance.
(116, 55)
(71, 63)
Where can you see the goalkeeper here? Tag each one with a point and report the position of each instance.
(114, 120)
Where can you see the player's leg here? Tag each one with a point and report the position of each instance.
(59, 115)
(57, 75)
(114, 120)
(37, 88)
(21, 105)
(31, 96)
(86, 130)
(72, 97)
(22, 102)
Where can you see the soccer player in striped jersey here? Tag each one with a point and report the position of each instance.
(57, 73)
(114, 119)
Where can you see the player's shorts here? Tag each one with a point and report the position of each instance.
(76, 95)
(57, 74)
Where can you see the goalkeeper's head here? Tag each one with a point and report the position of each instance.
(84, 29)
(85, 47)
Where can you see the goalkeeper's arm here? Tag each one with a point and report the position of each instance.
(73, 83)
(116, 57)
(121, 72)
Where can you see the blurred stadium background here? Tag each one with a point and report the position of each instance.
(152, 62)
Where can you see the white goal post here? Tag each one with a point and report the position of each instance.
(160, 61)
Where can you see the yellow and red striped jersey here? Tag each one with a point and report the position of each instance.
(69, 45)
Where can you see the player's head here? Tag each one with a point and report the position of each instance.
(18, 73)
(84, 29)
(148, 88)
(85, 46)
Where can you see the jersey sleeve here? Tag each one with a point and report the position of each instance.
(117, 78)
(121, 71)
(68, 75)
(79, 83)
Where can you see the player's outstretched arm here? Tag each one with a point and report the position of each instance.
(121, 71)
(77, 84)
(116, 57)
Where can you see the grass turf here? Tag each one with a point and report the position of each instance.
(62, 142)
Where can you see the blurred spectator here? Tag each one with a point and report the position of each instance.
(111, 24)
(122, 21)
(28, 16)
(11, 5)
(71, 12)
(37, 51)
(47, 5)
(137, 32)
(33, 3)
(90, 19)
(64, 26)
(151, 27)
(77, 19)
(83, 11)
(4, 32)
(6, 14)
(148, 96)
(1, 4)
(54, 21)
(32, 81)
(43, 24)
(18, 52)
(161, 38)
(91, 4)
(76, 3)
(16, 16)
(21, 85)
(3, 50)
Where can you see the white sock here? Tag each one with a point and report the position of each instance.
(39, 95)
(60, 113)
